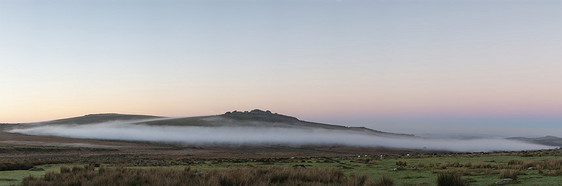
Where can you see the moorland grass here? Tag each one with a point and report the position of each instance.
(245, 176)
(450, 179)
(530, 168)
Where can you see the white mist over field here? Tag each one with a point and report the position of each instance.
(234, 136)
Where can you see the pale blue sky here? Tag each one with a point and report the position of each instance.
(315, 59)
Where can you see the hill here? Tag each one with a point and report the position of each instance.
(254, 128)
(547, 140)
(255, 118)
(251, 119)
(99, 118)
(259, 119)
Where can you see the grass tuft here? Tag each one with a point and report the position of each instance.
(509, 174)
(450, 180)
(385, 181)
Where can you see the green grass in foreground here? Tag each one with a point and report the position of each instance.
(477, 169)
(15, 177)
(418, 171)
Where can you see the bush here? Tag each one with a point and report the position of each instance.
(361, 180)
(64, 169)
(402, 163)
(385, 181)
(509, 174)
(450, 180)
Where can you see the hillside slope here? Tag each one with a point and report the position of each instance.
(547, 140)
(99, 118)
(253, 119)
(259, 119)
(249, 128)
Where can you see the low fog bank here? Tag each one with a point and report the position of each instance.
(460, 128)
(266, 136)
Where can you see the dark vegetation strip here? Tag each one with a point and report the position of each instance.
(89, 175)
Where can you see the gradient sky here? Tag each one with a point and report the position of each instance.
(447, 62)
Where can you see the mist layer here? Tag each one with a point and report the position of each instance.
(234, 136)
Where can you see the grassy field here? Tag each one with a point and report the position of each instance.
(525, 168)
(15, 177)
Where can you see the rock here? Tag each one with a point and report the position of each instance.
(398, 168)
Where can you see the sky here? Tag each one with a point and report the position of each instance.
(399, 65)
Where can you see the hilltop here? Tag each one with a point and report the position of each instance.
(259, 115)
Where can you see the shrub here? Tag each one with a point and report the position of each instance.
(385, 181)
(450, 180)
(551, 173)
(359, 180)
(402, 163)
(509, 174)
(64, 169)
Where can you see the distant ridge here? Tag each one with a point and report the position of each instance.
(99, 118)
(255, 118)
(547, 140)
